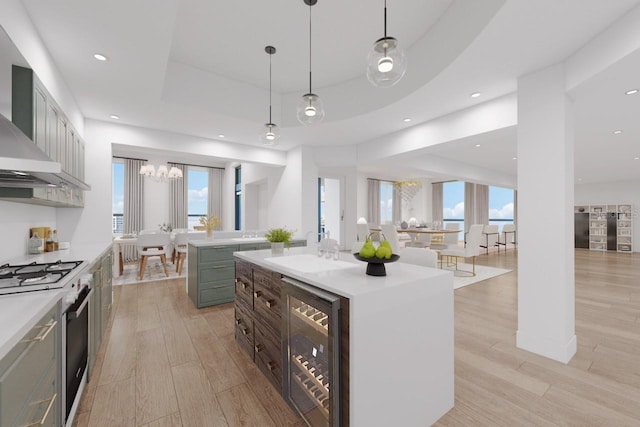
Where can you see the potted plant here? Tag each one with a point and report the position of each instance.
(279, 237)
(210, 222)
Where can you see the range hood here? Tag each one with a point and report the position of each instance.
(24, 165)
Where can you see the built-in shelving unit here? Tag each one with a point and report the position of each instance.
(624, 229)
(610, 227)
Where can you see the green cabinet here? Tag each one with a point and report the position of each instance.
(35, 112)
(29, 376)
(100, 302)
(211, 273)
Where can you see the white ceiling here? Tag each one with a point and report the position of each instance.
(198, 67)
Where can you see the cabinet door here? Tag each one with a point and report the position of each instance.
(71, 137)
(52, 131)
(40, 119)
(81, 161)
(62, 142)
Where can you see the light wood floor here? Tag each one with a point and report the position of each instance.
(165, 363)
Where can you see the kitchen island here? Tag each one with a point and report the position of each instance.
(210, 271)
(396, 333)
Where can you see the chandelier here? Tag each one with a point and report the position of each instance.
(407, 189)
(162, 174)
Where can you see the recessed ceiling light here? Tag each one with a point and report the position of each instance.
(406, 119)
(579, 179)
(475, 94)
(631, 92)
(636, 158)
(114, 117)
(220, 135)
(514, 158)
(99, 57)
(477, 145)
(617, 132)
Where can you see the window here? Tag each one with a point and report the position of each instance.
(197, 200)
(453, 203)
(386, 202)
(117, 204)
(500, 206)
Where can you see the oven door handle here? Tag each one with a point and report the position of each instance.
(74, 314)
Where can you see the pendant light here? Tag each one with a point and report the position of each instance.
(271, 133)
(310, 109)
(387, 62)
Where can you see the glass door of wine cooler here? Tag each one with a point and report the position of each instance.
(311, 352)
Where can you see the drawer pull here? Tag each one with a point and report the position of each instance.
(271, 366)
(270, 303)
(220, 267)
(43, 336)
(238, 321)
(258, 348)
(46, 413)
(245, 331)
(241, 283)
(257, 294)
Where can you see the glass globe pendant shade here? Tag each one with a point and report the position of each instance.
(270, 135)
(386, 63)
(310, 109)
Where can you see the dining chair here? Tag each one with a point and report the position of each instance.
(180, 248)
(390, 233)
(150, 245)
(508, 235)
(419, 256)
(491, 236)
(471, 250)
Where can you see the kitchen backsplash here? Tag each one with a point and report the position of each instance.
(15, 221)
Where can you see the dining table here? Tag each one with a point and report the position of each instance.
(132, 240)
(415, 232)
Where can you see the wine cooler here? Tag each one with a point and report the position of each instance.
(311, 352)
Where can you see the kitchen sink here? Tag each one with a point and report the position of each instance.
(308, 263)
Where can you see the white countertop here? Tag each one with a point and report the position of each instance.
(230, 241)
(346, 277)
(20, 312)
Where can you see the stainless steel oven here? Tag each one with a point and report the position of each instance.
(75, 342)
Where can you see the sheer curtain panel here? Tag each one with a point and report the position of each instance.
(373, 193)
(396, 214)
(133, 204)
(469, 205)
(482, 204)
(437, 208)
(178, 191)
(216, 177)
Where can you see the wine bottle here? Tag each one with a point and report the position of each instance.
(55, 240)
(48, 246)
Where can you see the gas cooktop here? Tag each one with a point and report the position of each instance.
(34, 276)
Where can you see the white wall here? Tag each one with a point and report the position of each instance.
(15, 221)
(613, 193)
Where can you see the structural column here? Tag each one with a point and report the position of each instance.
(546, 280)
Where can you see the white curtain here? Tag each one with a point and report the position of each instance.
(133, 204)
(373, 193)
(482, 204)
(437, 211)
(469, 205)
(216, 178)
(178, 191)
(396, 214)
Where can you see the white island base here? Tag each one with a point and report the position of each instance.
(401, 336)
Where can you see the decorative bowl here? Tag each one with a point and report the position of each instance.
(375, 266)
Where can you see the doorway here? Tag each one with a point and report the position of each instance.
(331, 208)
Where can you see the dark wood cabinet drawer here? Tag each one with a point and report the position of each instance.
(244, 271)
(244, 329)
(267, 308)
(244, 291)
(268, 355)
(267, 279)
